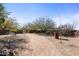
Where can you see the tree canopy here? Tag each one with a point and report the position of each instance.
(3, 14)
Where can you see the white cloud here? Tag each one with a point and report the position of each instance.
(69, 19)
(75, 17)
(62, 20)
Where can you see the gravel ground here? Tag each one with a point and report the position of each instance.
(40, 45)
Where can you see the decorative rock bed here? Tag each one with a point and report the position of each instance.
(9, 45)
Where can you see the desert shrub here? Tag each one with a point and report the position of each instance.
(19, 31)
(68, 33)
(77, 33)
(50, 32)
(67, 29)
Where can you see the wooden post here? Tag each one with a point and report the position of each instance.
(56, 34)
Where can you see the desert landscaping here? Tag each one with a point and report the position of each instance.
(35, 31)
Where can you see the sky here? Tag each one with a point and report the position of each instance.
(28, 12)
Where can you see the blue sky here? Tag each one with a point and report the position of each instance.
(28, 12)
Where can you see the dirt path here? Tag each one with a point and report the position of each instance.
(69, 46)
(41, 46)
(48, 46)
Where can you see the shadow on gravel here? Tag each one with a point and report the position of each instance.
(63, 39)
(71, 45)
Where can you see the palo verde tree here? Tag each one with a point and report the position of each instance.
(7, 22)
(11, 24)
(41, 24)
(3, 15)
